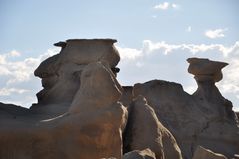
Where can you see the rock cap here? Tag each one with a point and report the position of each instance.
(205, 69)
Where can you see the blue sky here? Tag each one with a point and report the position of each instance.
(154, 38)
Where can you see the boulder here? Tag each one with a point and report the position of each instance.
(145, 131)
(143, 154)
(202, 153)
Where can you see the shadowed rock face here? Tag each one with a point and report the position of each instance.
(136, 154)
(60, 73)
(201, 153)
(206, 73)
(83, 112)
(145, 131)
(91, 129)
(204, 118)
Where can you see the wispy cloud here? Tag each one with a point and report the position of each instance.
(9, 91)
(129, 53)
(162, 6)
(166, 48)
(189, 29)
(175, 6)
(20, 70)
(217, 33)
(166, 5)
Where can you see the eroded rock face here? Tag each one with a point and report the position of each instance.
(100, 88)
(145, 131)
(200, 119)
(206, 73)
(127, 95)
(202, 153)
(60, 73)
(92, 133)
(136, 154)
(82, 111)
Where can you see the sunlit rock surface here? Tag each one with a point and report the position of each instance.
(143, 154)
(202, 153)
(83, 111)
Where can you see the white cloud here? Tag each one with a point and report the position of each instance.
(9, 91)
(163, 6)
(16, 76)
(217, 33)
(154, 16)
(21, 70)
(166, 5)
(139, 64)
(4, 71)
(175, 6)
(168, 61)
(189, 29)
(14, 53)
(128, 53)
(162, 46)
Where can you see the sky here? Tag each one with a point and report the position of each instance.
(154, 39)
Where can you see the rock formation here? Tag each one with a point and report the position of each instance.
(136, 154)
(60, 73)
(201, 153)
(96, 129)
(83, 112)
(145, 131)
(204, 118)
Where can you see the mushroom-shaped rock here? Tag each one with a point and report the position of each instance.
(206, 73)
(205, 69)
(85, 51)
